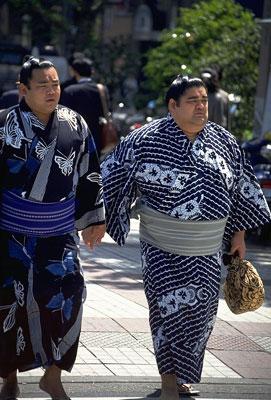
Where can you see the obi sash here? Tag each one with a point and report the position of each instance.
(182, 237)
(32, 218)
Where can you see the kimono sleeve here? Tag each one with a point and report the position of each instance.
(89, 205)
(3, 115)
(118, 173)
(249, 208)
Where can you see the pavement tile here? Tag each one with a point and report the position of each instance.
(112, 304)
(260, 316)
(108, 339)
(101, 325)
(247, 364)
(133, 370)
(225, 328)
(134, 324)
(89, 370)
(262, 341)
(213, 367)
(253, 329)
(222, 342)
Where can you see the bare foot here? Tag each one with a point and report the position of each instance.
(187, 389)
(169, 395)
(169, 389)
(10, 389)
(51, 384)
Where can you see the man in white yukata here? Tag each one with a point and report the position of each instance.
(195, 191)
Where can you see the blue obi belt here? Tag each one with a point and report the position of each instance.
(19, 215)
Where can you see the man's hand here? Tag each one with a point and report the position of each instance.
(238, 244)
(93, 235)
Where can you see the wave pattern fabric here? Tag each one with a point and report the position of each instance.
(41, 283)
(209, 179)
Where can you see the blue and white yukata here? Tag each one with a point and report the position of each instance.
(207, 180)
(50, 187)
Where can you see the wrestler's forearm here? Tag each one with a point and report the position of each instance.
(238, 244)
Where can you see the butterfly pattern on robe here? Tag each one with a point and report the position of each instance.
(42, 149)
(97, 178)
(59, 303)
(65, 163)
(65, 114)
(61, 268)
(13, 134)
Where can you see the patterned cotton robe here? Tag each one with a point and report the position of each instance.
(41, 283)
(206, 180)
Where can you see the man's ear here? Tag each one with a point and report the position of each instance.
(172, 105)
(22, 89)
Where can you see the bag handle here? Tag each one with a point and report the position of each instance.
(101, 90)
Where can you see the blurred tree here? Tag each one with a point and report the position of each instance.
(117, 60)
(211, 32)
(68, 24)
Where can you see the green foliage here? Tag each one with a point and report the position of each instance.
(212, 32)
(65, 23)
(114, 61)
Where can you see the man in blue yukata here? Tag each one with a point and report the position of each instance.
(194, 191)
(50, 188)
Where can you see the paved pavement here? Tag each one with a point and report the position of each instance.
(115, 356)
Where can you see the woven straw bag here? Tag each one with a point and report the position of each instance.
(243, 289)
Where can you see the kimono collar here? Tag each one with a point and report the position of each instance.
(175, 129)
(32, 118)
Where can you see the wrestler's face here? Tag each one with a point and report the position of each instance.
(191, 111)
(43, 92)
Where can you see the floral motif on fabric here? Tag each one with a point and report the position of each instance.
(180, 181)
(188, 210)
(162, 175)
(209, 156)
(108, 166)
(175, 300)
(250, 191)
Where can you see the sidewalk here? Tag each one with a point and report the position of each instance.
(116, 345)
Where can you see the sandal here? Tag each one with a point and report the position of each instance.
(187, 390)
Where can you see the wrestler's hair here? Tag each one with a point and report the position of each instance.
(180, 85)
(31, 64)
